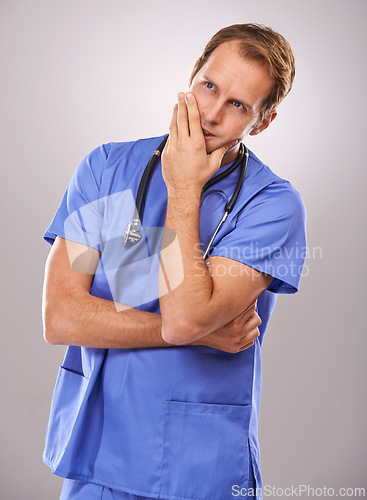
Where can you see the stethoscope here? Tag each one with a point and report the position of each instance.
(133, 230)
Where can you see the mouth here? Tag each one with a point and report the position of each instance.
(207, 134)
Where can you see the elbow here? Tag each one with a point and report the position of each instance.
(181, 332)
(49, 333)
(52, 328)
(49, 338)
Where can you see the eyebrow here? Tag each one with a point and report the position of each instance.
(250, 108)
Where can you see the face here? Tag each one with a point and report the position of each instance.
(230, 91)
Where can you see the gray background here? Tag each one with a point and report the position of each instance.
(78, 73)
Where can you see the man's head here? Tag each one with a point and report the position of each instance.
(243, 64)
(261, 44)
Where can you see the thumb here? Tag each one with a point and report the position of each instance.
(217, 155)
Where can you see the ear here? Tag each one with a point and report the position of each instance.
(193, 71)
(264, 124)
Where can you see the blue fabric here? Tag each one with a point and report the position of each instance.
(178, 422)
(80, 490)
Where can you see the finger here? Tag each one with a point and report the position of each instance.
(173, 125)
(182, 117)
(249, 337)
(246, 346)
(248, 312)
(217, 155)
(196, 130)
(251, 324)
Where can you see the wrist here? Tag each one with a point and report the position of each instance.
(189, 197)
(198, 342)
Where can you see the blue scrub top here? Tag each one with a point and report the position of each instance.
(177, 422)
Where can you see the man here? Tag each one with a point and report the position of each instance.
(180, 420)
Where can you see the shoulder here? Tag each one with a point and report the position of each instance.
(272, 192)
(113, 150)
(141, 146)
(112, 156)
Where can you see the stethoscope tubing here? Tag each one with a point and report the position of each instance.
(133, 230)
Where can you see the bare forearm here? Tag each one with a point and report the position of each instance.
(190, 300)
(94, 322)
(194, 309)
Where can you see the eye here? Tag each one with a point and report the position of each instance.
(209, 85)
(238, 105)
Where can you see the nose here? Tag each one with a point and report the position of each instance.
(212, 113)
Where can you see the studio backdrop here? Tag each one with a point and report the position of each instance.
(78, 74)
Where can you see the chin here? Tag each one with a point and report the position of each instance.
(210, 147)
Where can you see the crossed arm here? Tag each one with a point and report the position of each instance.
(215, 309)
(72, 316)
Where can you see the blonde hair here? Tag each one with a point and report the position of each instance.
(262, 44)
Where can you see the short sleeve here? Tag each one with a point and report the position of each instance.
(270, 236)
(79, 217)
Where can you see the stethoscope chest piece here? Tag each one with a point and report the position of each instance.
(132, 233)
